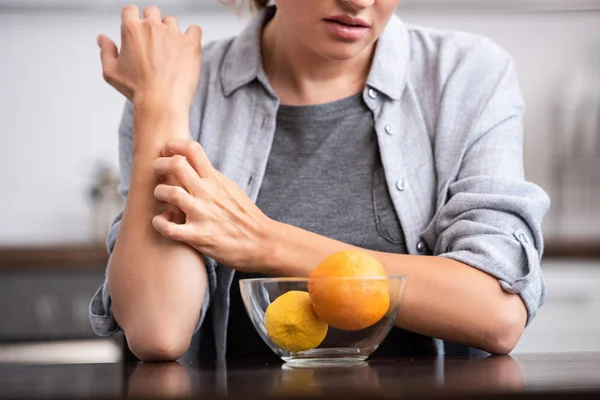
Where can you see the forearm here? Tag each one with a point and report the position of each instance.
(157, 285)
(444, 298)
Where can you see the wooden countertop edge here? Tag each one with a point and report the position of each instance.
(95, 256)
(572, 249)
(84, 256)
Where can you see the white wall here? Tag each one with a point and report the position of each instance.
(57, 115)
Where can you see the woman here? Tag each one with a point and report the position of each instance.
(325, 125)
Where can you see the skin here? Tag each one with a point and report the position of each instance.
(305, 65)
(156, 284)
(180, 207)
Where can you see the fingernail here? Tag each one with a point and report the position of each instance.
(168, 215)
(100, 41)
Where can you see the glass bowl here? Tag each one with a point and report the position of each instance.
(353, 297)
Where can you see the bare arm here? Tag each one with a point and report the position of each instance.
(157, 285)
(444, 298)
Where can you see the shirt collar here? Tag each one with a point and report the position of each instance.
(390, 63)
(243, 61)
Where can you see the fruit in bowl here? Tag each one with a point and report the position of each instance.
(292, 324)
(340, 314)
(349, 304)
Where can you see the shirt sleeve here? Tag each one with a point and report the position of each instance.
(492, 216)
(100, 314)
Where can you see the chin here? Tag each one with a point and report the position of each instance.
(340, 51)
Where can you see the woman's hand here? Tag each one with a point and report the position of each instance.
(157, 62)
(221, 221)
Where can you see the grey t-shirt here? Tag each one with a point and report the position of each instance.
(324, 174)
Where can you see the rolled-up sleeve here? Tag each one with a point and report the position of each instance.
(101, 318)
(492, 218)
(100, 314)
(493, 224)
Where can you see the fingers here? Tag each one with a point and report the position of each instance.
(194, 32)
(108, 52)
(178, 167)
(171, 22)
(108, 48)
(165, 226)
(193, 152)
(152, 13)
(130, 13)
(177, 196)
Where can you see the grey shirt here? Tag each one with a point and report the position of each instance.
(448, 116)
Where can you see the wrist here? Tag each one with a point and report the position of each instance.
(271, 254)
(287, 251)
(152, 108)
(159, 102)
(155, 123)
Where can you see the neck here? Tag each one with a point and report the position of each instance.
(300, 76)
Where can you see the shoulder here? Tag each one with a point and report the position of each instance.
(458, 64)
(461, 73)
(465, 84)
(451, 49)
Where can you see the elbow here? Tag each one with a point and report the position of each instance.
(503, 343)
(160, 346)
(507, 329)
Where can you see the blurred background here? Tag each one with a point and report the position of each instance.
(58, 133)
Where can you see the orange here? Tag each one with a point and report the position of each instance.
(349, 304)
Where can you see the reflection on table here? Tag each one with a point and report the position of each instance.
(380, 378)
(560, 375)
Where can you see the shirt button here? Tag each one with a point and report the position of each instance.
(372, 93)
(421, 247)
(390, 129)
(401, 185)
(523, 238)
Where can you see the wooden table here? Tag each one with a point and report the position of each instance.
(538, 376)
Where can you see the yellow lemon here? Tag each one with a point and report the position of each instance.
(292, 324)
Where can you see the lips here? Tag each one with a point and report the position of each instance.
(349, 21)
(346, 28)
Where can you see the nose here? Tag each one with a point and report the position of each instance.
(357, 5)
